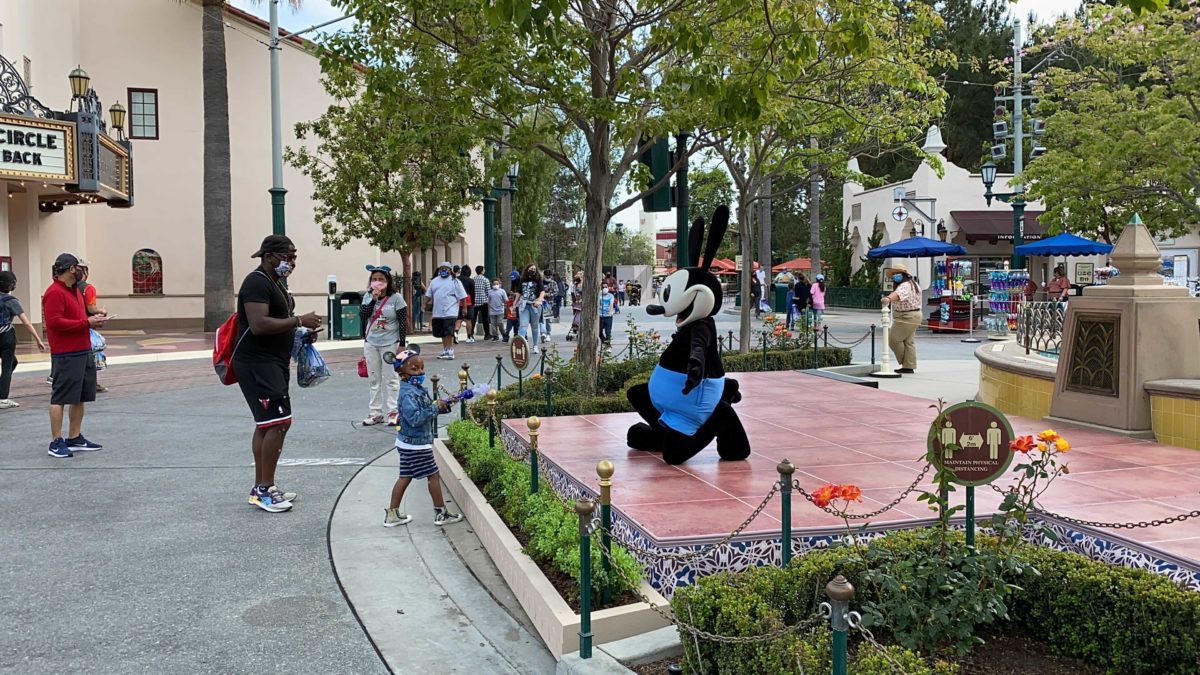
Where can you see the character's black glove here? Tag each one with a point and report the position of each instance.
(695, 374)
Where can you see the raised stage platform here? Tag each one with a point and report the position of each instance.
(835, 432)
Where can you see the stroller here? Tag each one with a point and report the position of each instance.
(577, 318)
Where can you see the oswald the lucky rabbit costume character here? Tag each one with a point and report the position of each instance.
(689, 401)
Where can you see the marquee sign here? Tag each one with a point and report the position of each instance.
(114, 169)
(37, 149)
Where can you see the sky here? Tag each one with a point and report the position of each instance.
(313, 12)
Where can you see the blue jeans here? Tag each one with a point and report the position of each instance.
(531, 321)
(606, 329)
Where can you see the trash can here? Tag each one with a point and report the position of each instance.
(780, 302)
(346, 324)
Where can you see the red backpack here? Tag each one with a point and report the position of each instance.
(224, 345)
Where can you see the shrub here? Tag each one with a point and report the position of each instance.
(549, 523)
(789, 359)
(1124, 620)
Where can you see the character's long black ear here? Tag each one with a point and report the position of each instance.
(695, 241)
(716, 233)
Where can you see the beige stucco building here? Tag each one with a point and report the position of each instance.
(146, 54)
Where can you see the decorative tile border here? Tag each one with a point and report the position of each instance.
(667, 574)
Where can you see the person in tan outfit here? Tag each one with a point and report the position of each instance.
(906, 317)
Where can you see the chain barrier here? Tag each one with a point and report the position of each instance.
(854, 343)
(695, 555)
(912, 487)
(808, 623)
(1114, 526)
(897, 668)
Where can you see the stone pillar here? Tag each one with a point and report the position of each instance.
(1118, 337)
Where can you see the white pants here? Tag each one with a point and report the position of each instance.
(379, 370)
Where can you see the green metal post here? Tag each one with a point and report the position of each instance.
(489, 235)
(764, 364)
(542, 364)
(816, 349)
(499, 370)
(584, 509)
(533, 423)
(605, 471)
(549, 392)
(1018, 207)
(786, 469)
(970, 515)
(462, 387)
(434, 422)
(682, 199)
(520, 382)
(840, 592)
(491, 403)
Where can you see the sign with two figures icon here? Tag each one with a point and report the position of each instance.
(972, 441)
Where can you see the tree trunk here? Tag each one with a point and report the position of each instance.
(814, 213)
(747, 246)
(506, 257)
(765, 257)
(218, 208)
(406, 263)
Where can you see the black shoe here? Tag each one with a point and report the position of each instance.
(906, 371)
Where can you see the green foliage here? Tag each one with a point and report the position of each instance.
(550, 524)
(708, 188)
(1122, 126)
(1124, 620)
(867, 275)
(1120, 619)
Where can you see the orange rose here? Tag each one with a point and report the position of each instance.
(850, 493)
(825, 494)
(1023, 444)
(1061, 444)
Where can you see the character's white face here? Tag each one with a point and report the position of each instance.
(685, 303)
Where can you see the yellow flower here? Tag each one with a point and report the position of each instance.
(1049, 435)
(1061, 444)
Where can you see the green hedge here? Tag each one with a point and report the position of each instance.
(1124, 620)
(551, 524)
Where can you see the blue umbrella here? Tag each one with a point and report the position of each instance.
(1064, 244)
(916, 247)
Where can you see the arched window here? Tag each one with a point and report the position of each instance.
(147, 273)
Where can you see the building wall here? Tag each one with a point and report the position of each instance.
(157, 45)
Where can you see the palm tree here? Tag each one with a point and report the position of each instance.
(218, 210)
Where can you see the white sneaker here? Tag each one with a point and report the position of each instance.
(536, 350)
(470, 340)
(445, 355)
(8, 403)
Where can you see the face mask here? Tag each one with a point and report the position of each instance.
(443, 273)
(496, 286)
(604, 292)
(379, 285)
(417, 380)
(284, 268)
(897, 278)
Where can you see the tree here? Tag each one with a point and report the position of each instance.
(708, 188)
(827, 96)
(385, 179)
(1122, 123)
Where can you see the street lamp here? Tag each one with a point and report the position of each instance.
(490, 195)
(116, 114)
(1017, 199)
(79, 83)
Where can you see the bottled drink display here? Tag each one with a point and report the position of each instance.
(1007, 291)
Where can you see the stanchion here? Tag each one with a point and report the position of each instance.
(786, 469)
(872, 344)
(825, 331)
(491, 404)
(533, 423)
(970, 515)
(605, 471)
(499, 370)
(816, 349)
(731, 340)
(885, 369)
(542, 364)
(549, 381)
(467, 367)
(840, 592)
(584, 509)
(520, 382)
(764, 338)
(971, 324)
(434, 422)
(462, 387)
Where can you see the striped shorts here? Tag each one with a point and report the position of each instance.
(417, 462)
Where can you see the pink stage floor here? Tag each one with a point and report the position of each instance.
(844, 433)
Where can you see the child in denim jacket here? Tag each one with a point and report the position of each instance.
(414, 440)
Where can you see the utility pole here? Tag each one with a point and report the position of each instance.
(681, 203)
(814, 210)
(1018, 262)
(764, 227)
(505, 235)
(278, 219)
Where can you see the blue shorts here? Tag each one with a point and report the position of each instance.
(682, 413)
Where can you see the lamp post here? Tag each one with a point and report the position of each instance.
(79, 83)
(490, 195)
(116, 115)
(1016, 199)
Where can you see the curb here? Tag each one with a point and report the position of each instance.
(613, 657)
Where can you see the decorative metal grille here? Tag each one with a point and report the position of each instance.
(14, 95)
(1039, 326)
(1095, 356)
(87, 157)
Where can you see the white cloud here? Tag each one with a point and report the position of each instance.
(1046, 11)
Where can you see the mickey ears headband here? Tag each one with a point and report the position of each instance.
(381, 268)
(399, 359)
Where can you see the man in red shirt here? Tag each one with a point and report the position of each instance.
(68, 329)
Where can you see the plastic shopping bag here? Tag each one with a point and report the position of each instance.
(98, 345)
(310, 367)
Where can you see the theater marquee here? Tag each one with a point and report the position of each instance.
(37, 149)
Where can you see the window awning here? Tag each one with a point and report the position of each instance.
(994, 226)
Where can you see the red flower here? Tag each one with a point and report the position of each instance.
(825, 494)
(850, 493)
(1023, 444)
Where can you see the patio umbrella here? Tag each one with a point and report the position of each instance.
(1063, 244)
(916, 247)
